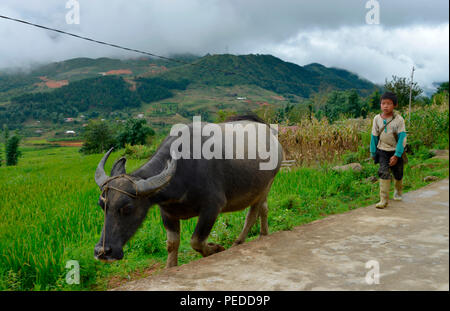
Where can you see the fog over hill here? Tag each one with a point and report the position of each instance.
(329, 32)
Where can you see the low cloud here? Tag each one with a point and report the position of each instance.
(330, 32)
(374, 52)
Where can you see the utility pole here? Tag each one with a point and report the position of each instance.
(410, 95)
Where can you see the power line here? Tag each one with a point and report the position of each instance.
(141, 52)
(106, 43)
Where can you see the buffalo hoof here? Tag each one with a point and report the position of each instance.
(215, 248)
(237, 242)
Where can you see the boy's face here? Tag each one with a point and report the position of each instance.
(387, 106)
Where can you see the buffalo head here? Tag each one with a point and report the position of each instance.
(125, 200)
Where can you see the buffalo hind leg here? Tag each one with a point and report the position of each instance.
(263, 211)
(199, 239)
(250, 220)
(173, 239)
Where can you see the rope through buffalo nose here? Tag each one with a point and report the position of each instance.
(104, 197)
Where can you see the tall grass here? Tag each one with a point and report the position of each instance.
(429, 127)
(314, 141)
(317, 141)
(47, 206)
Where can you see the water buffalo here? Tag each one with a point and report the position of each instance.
(185, 188)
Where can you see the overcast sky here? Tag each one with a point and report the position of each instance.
(330, 32)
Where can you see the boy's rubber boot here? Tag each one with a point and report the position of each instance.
(385, 185)
(398, 188)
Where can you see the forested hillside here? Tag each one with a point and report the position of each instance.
(65, 89)
(270, 73)
(107, 93)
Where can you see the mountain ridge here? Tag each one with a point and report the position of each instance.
(270, 72)
(105, 85)
(264, 70)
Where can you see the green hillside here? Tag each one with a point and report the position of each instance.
(14, 82)
(344, 79)
(107, 87)
(270, 73)
(101, 94)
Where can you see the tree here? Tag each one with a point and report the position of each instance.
(375, 100)
(353, 104)
(443, 87)
(5, 141)
(135, 132)
(5, 134)
(12, 150)
(335, 105)
(343, 103)
(441, 95)
(222, 115)
(310, 111)
(98, 137)
(282, 113)
(401, 87)
(364, 109)
(1, 158)
(423, 100)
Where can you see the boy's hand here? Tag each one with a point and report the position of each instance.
(393, 160)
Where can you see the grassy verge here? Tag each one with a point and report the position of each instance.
(50, 216)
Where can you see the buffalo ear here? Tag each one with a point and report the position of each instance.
(119, 167)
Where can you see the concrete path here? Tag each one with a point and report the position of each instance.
(409, 240)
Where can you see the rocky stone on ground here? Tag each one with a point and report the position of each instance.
(439, 154)
(356, 167)
(430, 178)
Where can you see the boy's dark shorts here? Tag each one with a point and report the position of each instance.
(383, 171)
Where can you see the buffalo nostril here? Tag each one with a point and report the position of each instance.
(107, 250)
(99, 251)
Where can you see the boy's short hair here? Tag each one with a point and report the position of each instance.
(391, 96)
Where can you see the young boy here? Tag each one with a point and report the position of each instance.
(387, 145)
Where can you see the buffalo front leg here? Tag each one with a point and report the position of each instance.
(173, 239)
(199, 239)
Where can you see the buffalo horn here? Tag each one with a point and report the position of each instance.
(152, 184)
(100, 174)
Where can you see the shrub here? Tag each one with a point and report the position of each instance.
(423, 153)
(98, 137)
(428, 127)
(139, 151)
(12, 150)
(135, 132)
(401, 87)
